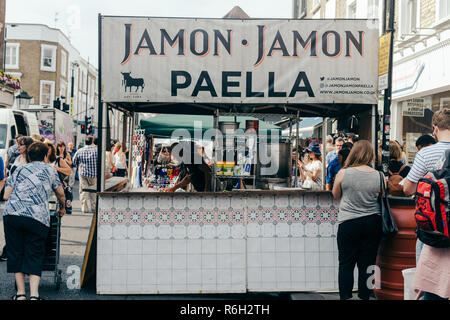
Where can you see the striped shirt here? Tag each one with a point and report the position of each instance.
(86, 161)
(426, 160)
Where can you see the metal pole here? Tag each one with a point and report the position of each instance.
(214, 152)
(297, 145)
(101, 144)
(387, 95)
(374, 133)
(87, 97)
(71, 92)
(102, 134)
(324, 164)
(290, 154)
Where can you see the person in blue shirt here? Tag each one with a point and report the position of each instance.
(335, 165)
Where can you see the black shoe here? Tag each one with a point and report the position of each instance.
(3, 257)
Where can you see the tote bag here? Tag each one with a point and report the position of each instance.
(389, 227)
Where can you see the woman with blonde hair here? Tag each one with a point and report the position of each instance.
(120, 161)
(357, 185)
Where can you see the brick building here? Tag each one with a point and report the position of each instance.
(46, 62)
(421, 67)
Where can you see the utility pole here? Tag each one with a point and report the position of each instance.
(87, 97)
(388, 93)
(3, 33)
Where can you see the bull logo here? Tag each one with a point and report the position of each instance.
(130, 82)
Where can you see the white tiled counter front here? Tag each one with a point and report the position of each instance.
(216, 243)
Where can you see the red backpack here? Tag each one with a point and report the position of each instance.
(433, 207)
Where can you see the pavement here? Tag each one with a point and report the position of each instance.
(74, 234)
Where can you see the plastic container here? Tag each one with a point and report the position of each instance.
(228, 168)
(399, 252)
(408, 290)
(219, 167)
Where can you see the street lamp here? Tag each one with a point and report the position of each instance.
(23, 100)
(74, 65)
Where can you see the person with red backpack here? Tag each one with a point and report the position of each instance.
(433, 265)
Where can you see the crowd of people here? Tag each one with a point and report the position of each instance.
(33, 168)
(33, 172)
(358, 186)
(36, 170)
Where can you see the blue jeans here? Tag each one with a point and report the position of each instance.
(432, 296)
(419, 246)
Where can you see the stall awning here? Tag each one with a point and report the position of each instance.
(163, 125)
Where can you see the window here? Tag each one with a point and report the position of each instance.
(48, 58)
(63, 89)
(63, 63)
(299, 9)
(351, 10)
(330, 9)
(442, 10)
(372, 9)
(12, 56)
(302, 8)
(408, 16)
(47, 93)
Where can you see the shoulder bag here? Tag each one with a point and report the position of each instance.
(389, 227)
(67, 189)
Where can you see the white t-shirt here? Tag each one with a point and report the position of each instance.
(119, 160)
(311, 167)
(426, 160)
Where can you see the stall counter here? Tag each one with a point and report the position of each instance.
(233, 242)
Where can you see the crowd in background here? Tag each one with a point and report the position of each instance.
(36, 168)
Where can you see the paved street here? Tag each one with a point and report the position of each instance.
(74, 234)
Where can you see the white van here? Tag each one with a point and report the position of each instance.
(12, 123)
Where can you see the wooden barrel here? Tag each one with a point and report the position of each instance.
(399, 252)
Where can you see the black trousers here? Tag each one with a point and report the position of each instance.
(358, 241)
(25, 244)
(121, 172)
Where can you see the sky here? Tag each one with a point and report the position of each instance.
(78, 19)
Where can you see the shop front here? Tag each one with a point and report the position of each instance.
(233, 240)
(421, 86)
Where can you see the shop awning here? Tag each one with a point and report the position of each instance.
(163, 125)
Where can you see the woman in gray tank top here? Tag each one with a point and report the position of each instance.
(357, 185)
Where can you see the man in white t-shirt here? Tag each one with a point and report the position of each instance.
(427, 158)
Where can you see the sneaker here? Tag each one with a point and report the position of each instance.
(3, 257)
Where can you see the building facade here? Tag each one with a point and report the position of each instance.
(421, 67)
(51, 68)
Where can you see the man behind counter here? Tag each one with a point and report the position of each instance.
(193, 169)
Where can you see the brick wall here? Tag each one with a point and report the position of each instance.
(427, 13)
(30, 67)
(2, 30)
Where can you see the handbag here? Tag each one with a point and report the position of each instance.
(67, 189)
(389, 227)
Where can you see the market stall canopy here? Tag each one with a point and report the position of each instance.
(306, 128)
(163, 125)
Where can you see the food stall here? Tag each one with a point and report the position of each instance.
(150, 242)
